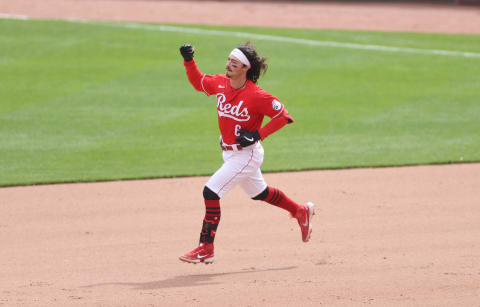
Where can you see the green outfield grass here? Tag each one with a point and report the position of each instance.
(88, 102)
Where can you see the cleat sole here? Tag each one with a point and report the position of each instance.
(311, 212)
(195, 261)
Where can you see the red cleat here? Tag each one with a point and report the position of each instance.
(203, 253)
(304, 217)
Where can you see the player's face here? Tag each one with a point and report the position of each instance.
(235, 68)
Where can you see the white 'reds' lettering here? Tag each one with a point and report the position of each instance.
(233, 112)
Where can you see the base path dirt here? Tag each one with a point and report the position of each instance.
(363, 16)
(383, 237)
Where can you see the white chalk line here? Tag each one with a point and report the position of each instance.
(300, 40)
(13, 16)
(283, 39)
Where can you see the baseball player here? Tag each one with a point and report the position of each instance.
(241, 107)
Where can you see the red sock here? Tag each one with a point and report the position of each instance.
(212, 211)
(278, 198)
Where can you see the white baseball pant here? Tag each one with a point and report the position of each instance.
(240, 167)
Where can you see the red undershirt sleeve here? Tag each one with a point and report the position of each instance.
(194, 74)
(275, 124)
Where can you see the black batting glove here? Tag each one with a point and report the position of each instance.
(247, 138)
(187, 52)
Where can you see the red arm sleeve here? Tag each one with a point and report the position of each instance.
(194, 74)
(202, 82)
(275, 124)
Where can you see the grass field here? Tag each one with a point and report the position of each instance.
(93, 101)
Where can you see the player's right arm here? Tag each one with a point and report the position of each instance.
(201, 82)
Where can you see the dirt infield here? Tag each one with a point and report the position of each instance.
(382, 237)
(364, 16)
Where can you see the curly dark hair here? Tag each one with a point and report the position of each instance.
(258, 65)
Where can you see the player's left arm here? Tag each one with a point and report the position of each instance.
(277, 123)
(270, 107)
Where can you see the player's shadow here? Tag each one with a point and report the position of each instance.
(184, 280)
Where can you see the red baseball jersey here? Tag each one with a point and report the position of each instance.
(237, 109)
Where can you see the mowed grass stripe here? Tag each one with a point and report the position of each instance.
(87, 102)
(284, 39)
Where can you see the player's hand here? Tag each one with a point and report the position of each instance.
(187, 51)
(247, 138)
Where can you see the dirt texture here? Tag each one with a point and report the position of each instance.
(331, 15)
(382, 237)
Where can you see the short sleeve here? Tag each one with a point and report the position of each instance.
(210, 83)
(269, 105)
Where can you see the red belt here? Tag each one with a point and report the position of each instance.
(230, 147)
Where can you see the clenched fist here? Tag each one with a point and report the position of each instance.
(187, 52)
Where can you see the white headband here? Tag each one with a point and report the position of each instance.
(240, 56)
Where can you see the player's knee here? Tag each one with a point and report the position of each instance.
(209, 194)
(262, 195)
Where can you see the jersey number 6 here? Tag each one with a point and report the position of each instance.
(237, 130)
